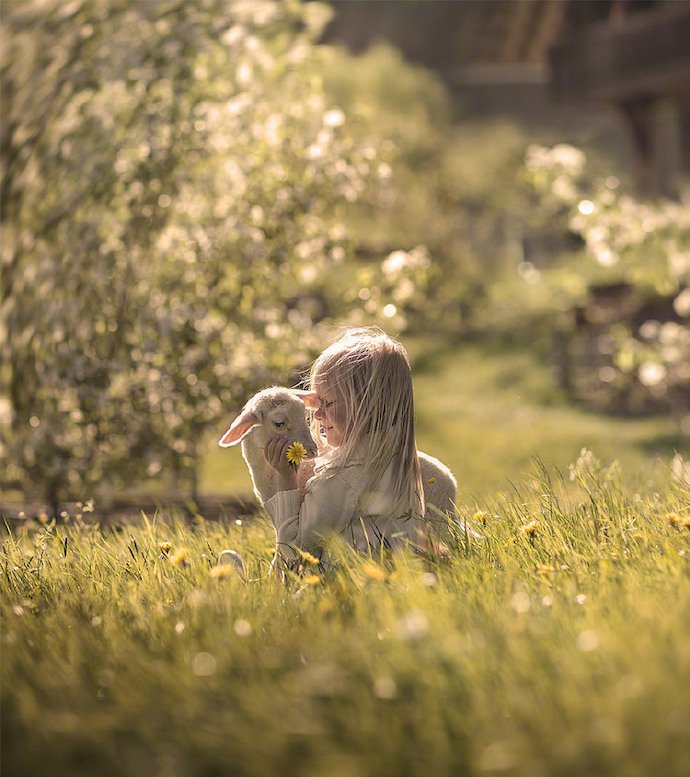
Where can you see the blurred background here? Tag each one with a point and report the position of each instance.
(197, 194)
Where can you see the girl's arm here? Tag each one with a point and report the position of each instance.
(328, 505)
(276, 455)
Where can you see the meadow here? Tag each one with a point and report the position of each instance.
(208, 255)
(557, 644)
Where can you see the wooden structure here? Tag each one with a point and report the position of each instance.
(636, 57)
(630, 55)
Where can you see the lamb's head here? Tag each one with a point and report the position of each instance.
(273, 412)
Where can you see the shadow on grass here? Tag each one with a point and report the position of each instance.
(668, 444)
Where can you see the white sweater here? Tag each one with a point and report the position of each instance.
(335, 504)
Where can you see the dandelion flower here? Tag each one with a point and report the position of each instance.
(295, 453)
(309, 559)
(311, 580)
(480, 517)
(373, 571)
(529, 529)
(164, 547)
(179, 558)
(222, 570)
(686, 523)
(672, 519)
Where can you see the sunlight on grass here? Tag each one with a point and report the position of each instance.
(488, 414)
(556, 644)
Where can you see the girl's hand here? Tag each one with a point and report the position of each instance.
(276, 455)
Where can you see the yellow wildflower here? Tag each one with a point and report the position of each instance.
(311, 580)
(309, 559)
(222, 570)
(530, 528)
(480, 516)
(686, 523)
(373, 571)
(295, 453)
(164, 547)
(179, 558)
(672, 519)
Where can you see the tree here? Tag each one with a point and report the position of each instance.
(172, 182)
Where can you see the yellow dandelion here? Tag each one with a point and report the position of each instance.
(222, 570)
(179, 558)
(311, 580)
(530, 529)
(480, 516)
(164, 547)
(686, 523)
(295, 453)
(373, 571)
(308, 558)
(431, 481)
(673, 520)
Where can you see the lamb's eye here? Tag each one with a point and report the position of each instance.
(279, 424)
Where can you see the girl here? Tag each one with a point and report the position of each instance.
(366, 486)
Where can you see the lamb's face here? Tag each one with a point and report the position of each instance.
(285, 417)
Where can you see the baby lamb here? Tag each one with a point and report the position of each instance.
(273, 412)
(279, 411)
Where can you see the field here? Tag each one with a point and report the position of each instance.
(197, 195)
(558, 644)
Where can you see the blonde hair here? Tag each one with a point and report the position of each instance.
(369, 373)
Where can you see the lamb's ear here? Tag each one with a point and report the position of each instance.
(240, 426)
(308, 397)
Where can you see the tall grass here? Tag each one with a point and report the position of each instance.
(558, 644)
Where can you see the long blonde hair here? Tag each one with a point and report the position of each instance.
(369, 373)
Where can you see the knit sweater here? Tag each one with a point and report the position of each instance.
(335, 504)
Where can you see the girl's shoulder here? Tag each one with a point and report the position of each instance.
(347, 469)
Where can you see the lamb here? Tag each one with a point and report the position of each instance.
(273, 412)
(280, 411)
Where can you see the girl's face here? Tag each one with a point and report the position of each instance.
(331, 415)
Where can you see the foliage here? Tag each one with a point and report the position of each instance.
(447, 187)
(556, 644)
(636, 249)
(173, 181)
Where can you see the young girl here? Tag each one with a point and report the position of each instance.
(366, 486)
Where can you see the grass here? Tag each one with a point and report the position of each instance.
(487, 412)
(557, 645)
